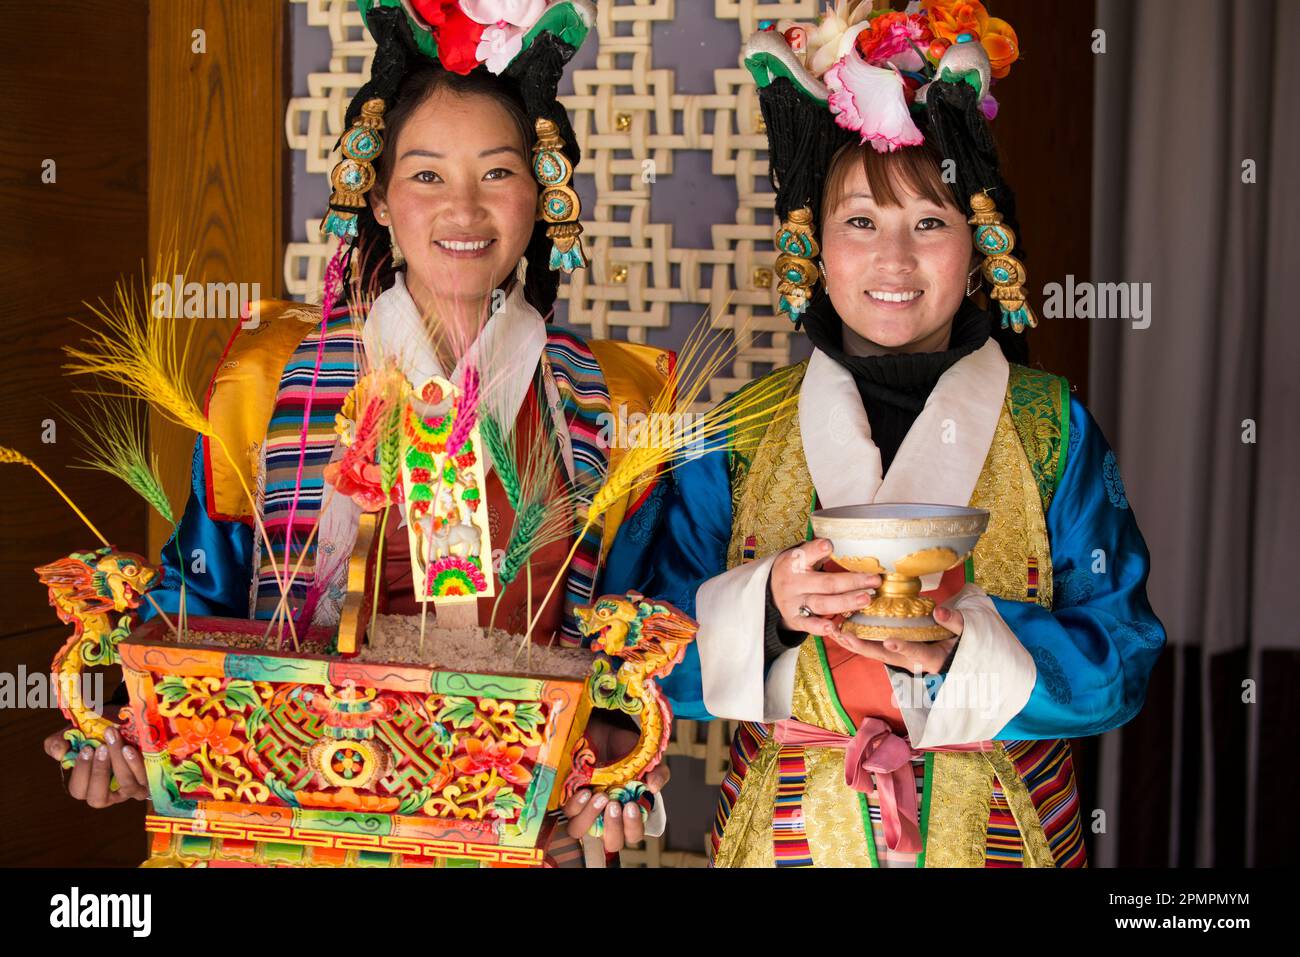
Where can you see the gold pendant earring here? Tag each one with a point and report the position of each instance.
(354, 174)
(398, 259)
(557, 203)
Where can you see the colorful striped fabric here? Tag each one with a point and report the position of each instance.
(339, 359)
(1045, 766)
(789, 839)
(584, 402)
(1003, 847)
(1048, 772)
(583, 399)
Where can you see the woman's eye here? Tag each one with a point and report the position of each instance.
(498, 173)
(861, 222)
(936, 222)
(427, 176)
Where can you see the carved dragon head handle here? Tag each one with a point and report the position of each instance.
(649, 639)
(95, 591)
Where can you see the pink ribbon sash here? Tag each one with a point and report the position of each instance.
(876, 760)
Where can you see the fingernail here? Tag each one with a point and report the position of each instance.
(110, 736)
(583, 797)
(87, 753)
(101, 753)
(128, 752)
(600, 802)
(630, 811)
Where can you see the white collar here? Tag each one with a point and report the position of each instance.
(942, 455)
(509, 347)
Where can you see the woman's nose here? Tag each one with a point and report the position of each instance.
(896, 253)
(464, 205)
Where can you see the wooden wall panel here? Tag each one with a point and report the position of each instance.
(157, 147)
(1044, 129)
(64, 242)
(216, 170)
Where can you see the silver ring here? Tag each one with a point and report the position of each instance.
(805, 611)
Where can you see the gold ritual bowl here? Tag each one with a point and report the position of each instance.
(901, 543)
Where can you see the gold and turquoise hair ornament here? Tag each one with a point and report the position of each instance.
(354, 175)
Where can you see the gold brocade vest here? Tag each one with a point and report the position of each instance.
(772, 497)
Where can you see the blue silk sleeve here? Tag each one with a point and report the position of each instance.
(217, 559)
(1095, 649)
(675, 542)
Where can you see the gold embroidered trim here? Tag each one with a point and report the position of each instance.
(1035, 851)
(772, 500)
(1017, 528)
(961, 790)
(747, 838)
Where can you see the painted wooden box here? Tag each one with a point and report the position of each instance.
(304, 759)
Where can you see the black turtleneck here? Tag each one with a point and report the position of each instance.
(894, 387)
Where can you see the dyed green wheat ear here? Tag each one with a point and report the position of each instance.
(112, 434)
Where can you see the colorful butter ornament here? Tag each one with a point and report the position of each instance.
(446, 496)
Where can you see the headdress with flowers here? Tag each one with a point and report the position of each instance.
(527, 42)
(867, 73)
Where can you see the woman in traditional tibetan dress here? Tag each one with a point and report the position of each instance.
(460, 133)
(892, 753)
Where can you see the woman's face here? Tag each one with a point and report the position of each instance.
(896, 275)
(461, 198)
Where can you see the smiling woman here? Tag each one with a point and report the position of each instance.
(457, 192)
(865, 741)
(454, 214)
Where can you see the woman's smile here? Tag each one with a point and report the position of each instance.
(468, 248)
(894, 300)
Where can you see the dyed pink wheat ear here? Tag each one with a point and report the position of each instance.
(466, 408)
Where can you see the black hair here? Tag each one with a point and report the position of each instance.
(403, 77)
(803, 140)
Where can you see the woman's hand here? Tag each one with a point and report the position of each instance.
(623, 823)
(926, 657)
(797, 582)
(92, 774)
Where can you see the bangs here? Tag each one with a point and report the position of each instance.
(890, 176)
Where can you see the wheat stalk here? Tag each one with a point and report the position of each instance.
(704, 354)
(140, 351)
(10, 456)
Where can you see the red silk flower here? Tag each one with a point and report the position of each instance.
(458, 36)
